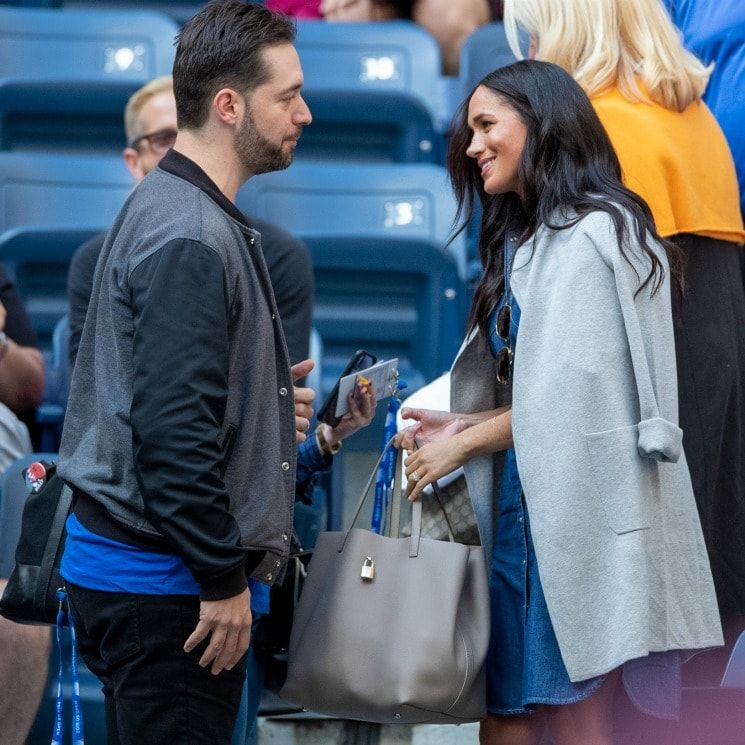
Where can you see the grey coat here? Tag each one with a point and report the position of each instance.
(612, 513)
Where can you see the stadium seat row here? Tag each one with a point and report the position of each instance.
(375, 89)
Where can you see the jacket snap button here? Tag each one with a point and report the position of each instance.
(283, 391)
(277, 564)
(284, 536)
(285, 466)
(269, 576)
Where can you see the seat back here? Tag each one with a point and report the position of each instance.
(49, 205)
(485, 50)
(66, 74)
(384, 280)
(375, 92)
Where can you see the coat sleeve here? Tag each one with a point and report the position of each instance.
(648, 321)
(180, 311)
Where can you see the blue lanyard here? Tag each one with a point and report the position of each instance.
(386, 470)
(64, 619)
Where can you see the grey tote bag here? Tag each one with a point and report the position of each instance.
(391, 629)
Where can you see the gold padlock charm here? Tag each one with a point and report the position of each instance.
(368, 569)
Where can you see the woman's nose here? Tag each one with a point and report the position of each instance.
(474, 148)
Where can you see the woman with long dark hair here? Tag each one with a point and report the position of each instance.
(565, 389)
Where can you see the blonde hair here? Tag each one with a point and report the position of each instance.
(603, 43)
(138, 99)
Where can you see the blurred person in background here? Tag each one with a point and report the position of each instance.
(24, 650)
(715, 33)
(647, 90)
(451, 22)
(150, 127)
(21, 374)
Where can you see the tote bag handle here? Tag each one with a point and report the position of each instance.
(395, 506)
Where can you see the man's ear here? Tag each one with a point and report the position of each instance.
(229, 106)
(132, 161)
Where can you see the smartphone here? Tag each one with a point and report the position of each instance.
(358, 361)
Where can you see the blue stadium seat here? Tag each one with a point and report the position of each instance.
(383, 278)
(485, 50)
(65, 75)
(375, 92)
(49, 205)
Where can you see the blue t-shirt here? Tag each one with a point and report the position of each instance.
(714, 30)
(99, 563)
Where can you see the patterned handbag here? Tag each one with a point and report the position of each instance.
(448, 506)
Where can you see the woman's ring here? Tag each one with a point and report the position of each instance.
(415, 476)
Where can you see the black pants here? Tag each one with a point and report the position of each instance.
(710, 346)
(155, 693)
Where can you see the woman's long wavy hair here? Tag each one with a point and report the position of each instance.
(567, 170)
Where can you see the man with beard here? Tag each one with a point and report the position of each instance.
(150, 127)
(180, 433)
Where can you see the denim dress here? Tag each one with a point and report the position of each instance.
(524, 667)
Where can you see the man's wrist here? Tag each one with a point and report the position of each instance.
(326, 440)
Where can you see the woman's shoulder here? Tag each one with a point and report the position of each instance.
(595, 234)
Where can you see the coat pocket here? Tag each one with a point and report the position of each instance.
(623, 479)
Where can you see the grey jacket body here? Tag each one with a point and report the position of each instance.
(180, 424)
(595, 426)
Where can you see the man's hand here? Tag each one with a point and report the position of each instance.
(303, 400)
(229, 622)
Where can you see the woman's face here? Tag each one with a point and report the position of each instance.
(497, 142)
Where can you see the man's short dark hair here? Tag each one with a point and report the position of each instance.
(221, 47)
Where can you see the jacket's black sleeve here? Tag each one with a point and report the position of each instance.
(180, 386)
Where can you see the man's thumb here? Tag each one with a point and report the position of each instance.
(302, 369)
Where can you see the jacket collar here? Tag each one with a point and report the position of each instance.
(177, 164)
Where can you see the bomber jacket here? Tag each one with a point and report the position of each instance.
(180, 429)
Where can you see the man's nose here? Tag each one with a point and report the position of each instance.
(302, 115)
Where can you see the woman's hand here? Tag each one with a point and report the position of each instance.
(362, 402)
(431, 462)
(431, 426)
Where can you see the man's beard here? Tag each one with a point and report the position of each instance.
(256, 153)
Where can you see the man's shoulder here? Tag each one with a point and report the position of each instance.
(165, 208)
